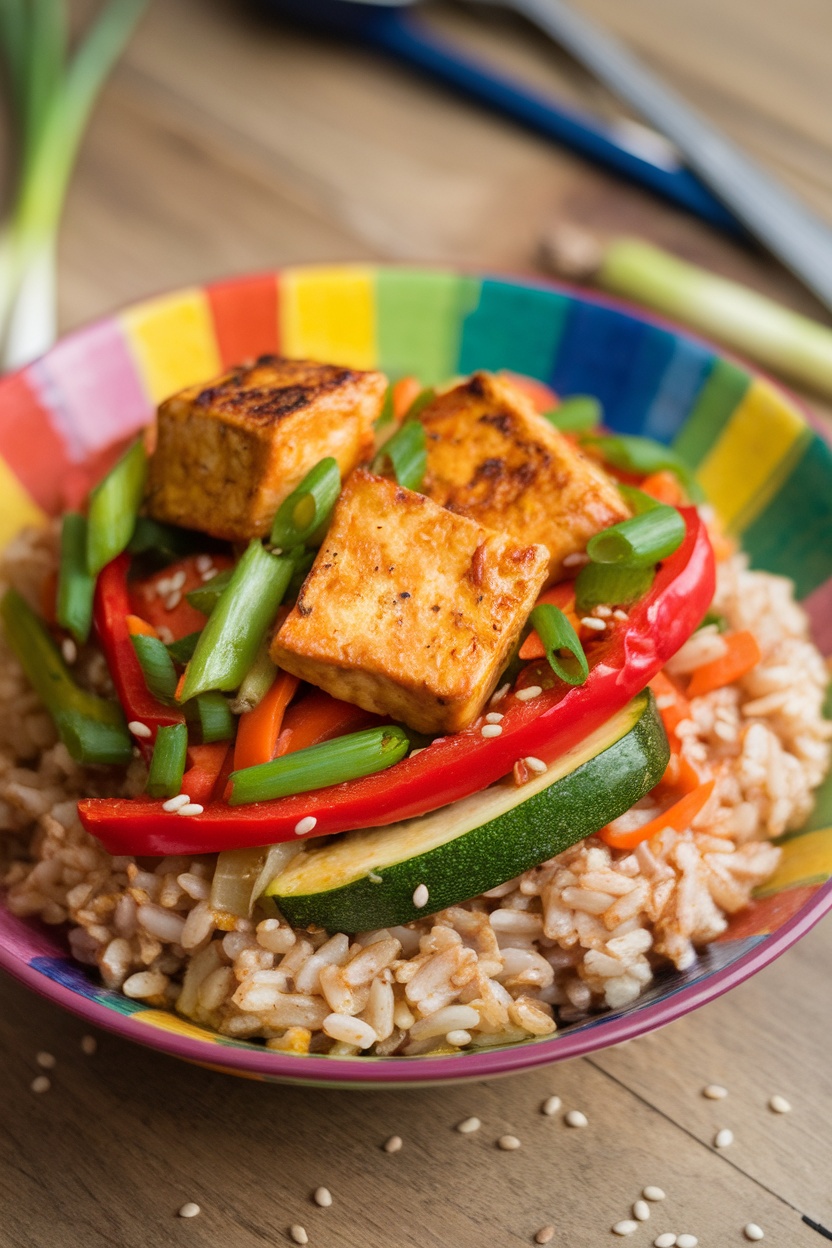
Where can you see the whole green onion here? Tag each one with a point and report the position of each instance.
(167, 766)
(75, 585)
(157, 666)
(182, 650)
(237, 625)
(205, 597)
(611, 584)
(640, 541)
(308, 508)
(407, 453)
(114, 505)
(92, 728)
(557, 634)
(643, 456)
(333, 762)
(577, 414)
(212, 714)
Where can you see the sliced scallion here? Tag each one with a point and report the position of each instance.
(387, 411)
(257, 681)
(611, 584)
(308, 508)
(211, 712)
(407, 453)
(423, 398)
(577, 414)
(167, 541)
(640, 541)
(75, 585)
(114, 505)
(643, 456)
(205, 597)
(167, 766)
(558, 635)
(333, 762)
(181, 651)
(637, 500)
(157, 666)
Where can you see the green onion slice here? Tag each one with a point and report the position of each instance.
(167, 542)
(641, 541)
(212, 714)
(386, 415)
(182, 651)
(643, 456)
(75, 585)
(114, 505)
(167, 766)
(157, 666)
(309, 507)
(407, 453)
(333, 762)
(557, 635)
(611, 584)
(577, 414)
(257, 681)
(205, 597)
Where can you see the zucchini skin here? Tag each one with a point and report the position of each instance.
(544, 825)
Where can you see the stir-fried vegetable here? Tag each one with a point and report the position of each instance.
(407, 453)
(643, 456)
(241, 875)
(306, 511)
(742, 652)
(75, 585)
(577, 414)
(557, 635)
(640, 541)
(167, 765)
(157, 665)
(259, 728)
(211, 713)
(610, 584)
(114, 505)
(205, 597)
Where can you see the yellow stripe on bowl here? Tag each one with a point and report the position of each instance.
(168, 1021)
(173, 342)
(807, 859)
(18, 508)
(329, 315)
(753, 455)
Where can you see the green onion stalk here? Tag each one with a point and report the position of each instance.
(53, 94)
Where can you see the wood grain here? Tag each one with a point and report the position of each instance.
(224, 144)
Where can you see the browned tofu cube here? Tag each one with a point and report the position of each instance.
(229, 451)
(409, 610)
(493, 458)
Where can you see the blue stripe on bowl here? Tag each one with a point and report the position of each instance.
(514, 327)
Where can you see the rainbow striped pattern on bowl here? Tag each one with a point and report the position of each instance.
(769, 474)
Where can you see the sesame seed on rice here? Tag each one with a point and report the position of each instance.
(421, 896)
(393, 1144)
(530, 691)
(139, 729)
(322, 1196)
(459, 1037)
(468, 1126)
(625, 1227)
(40, 1084)
(46, 1061)
(550, 1106)
(779, 1105)
(713, 1092)
(544, 1235)
(724, 1138)
(491, 730)
(576, 1119)
(305, 825)
(652, 1192)
(508, 1143)
(189, 1210)
(298, 1234)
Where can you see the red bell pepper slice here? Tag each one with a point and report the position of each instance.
(110, 611)
(455, 766)
(180, 619)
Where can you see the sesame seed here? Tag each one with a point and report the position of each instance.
(753, 1231)
(468, 1126)
(298, 1234)
(550, 1106)
(69, 650)
(163, 586)
(603, 612)
(714, 1092)
(641, 1211)
(618, 614)
(40, 1084)
(177, 581)
(192, 808)
(89, 1045)
(322, 1196)
(420, 896)
(576, 1119)
(393, 1145)
(202, 563)
(189, 1210)
(544, 1235)
(173, 600)
(508, 1143)
(653, 1193)
(176, 803)
(305, 825)
(459, 1037)
(589, 621)
(499, 695)
(724, 1138)
(491, 730)
(667, 1240)
(576, 560)
(536, 764)
(779, 1105)
(686, 1241)
(46, 1061)
(139, 729)
(208, 574)
(531, 691)
(420, 750)
(494, 717)
(374, 877)
(626, 1227)
(164, 634)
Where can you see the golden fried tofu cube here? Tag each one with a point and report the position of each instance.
(229, 451)
(409, 610)
(493, 458)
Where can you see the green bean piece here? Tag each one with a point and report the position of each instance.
(308, 508)
(640, 541)
(407, 454)
(238, 623)
(114, 505)
(577, 414)
(558, 635)
(157, 666)
(611, 584)
(167, 766)
(76, 588)
(333, 762)
(92, 728)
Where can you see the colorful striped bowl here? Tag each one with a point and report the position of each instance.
(766, 470)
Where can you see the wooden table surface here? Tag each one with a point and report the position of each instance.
(223, 145)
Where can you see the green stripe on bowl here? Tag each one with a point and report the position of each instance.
(514, 327)
(420, 319)
(723, 391)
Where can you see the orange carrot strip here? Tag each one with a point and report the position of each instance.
(672, 703)
(258, 730)
(180, 685)
(664, 486)
(205, 764)
(561, 595)
(404, 392)
(678, 817)
(137, 627)
(319, 717)
(742, 654)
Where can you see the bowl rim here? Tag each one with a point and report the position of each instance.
(601, 1031)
